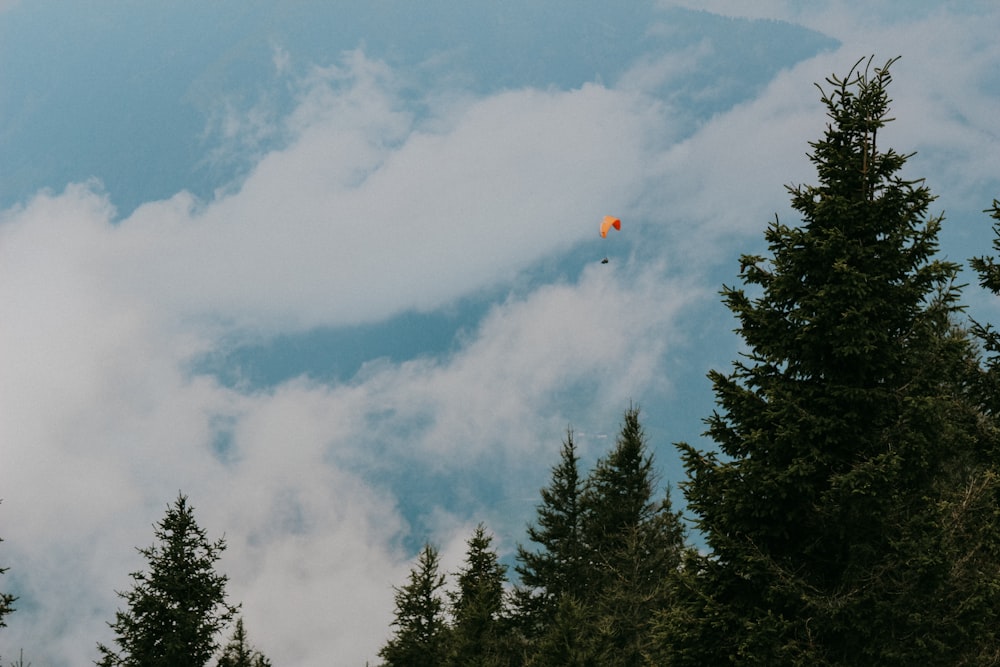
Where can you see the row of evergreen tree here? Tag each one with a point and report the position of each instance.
(177, 609)
(849, 511)
(588, 591)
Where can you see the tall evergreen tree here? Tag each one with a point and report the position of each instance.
(633, 541)
(20, 660)
(568, 639)
(846, 436)
(554, 569)
(479, 627)
(239, 653)
(6, 601)
(176, 609)
(420, 638)
(619, 494)
(988, 269)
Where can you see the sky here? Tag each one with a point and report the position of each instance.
(332, 270)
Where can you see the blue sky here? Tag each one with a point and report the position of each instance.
(333, 270)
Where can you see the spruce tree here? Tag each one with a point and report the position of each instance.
(479, 634)
(833, 507)
(633, 543)
(20, 660)
(568, 639)
(618, 494)
(988, 269)
(972, 513)
(175, 610)
(6, 601)
(239, 653)
(554, 570)
(420, 637)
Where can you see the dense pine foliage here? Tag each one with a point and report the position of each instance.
(176, 610)
(6, 602)
(848, 512)
(850, 505)
(421, 630)
(239, 653)
(589, 588)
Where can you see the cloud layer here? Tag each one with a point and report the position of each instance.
(369, 209)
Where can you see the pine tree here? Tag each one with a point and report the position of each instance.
(20, 661)
(567, 640)
(971, 511)
(176, 609)
(554, 570)
(633, 544)
(618, 495)
(836, 509)
(239, 653)
(479, 628)
(988, 269)
(420, 638)
(6, 602)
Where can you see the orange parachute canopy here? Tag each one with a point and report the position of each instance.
(608, 223)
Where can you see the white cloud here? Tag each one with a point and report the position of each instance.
(764, 9)
(831, 15)
(727, 178)
(281, 59)
(104, 427)
(361, 216)
(364, 215)
(366, 212)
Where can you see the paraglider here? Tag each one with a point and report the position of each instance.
(609, 222)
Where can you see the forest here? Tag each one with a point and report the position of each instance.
(847, 514)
